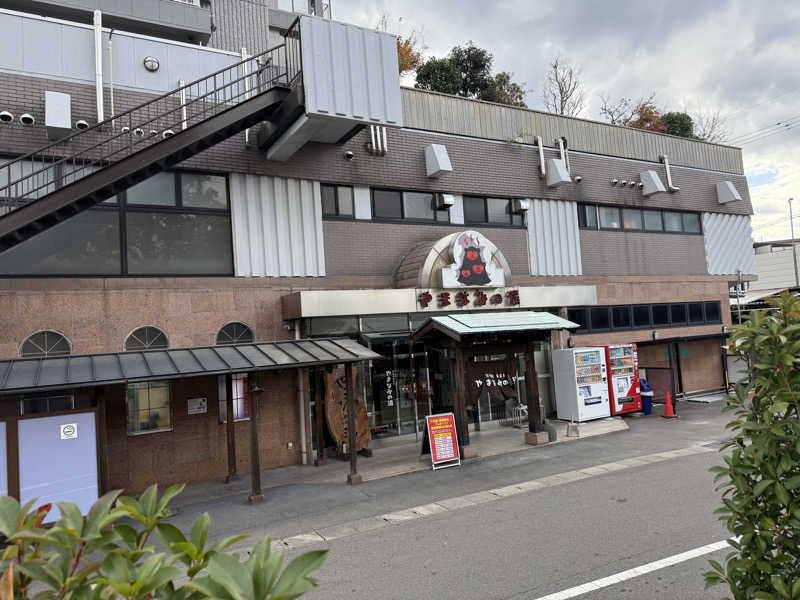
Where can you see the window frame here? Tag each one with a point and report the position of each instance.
(607, 308)
(589, 328)
(45, 355)
(582, 206)
(619, 217)
(582, 221)
(486, 223)
(228, 324)
(171, 426)
(649, 324)
(685, 322)
(339, 215)
(403, 218)
(122, 209)
(629, 309)
(149, 347)
(622, 218)
(244, 400)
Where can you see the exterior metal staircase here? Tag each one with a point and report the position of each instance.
(79, 171)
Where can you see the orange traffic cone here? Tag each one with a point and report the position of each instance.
(668, 412)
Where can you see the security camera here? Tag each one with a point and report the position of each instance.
(349, 155)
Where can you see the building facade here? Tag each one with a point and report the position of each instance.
(350, 221)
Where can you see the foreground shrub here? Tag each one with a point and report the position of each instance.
(761, 476)
(111, 554)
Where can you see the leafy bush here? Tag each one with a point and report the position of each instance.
(110, 554)
(761, 476)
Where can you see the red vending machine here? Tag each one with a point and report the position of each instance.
(623, 379)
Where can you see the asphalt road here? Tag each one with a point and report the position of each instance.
(525, 546)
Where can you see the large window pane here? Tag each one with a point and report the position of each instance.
(159, 190)
(344, 196)
(325, 326)
(166, 243)
(621, 317)
(713, 314)
(587, 216)
(691, 222)
(387, 204)
(417, 205)
(641, 315)
(328, 200)
(498, 210)
(474, 209)
(696, 312)
(204, 191)
(149, 408)
(652, 220)
(600, 318)
(384, 323)
(672, 221)
(578, 315)
(660, 315)
(678, 314)
(609, 217)
(631, 218)
(86, 244)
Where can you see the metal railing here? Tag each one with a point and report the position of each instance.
(63, 162)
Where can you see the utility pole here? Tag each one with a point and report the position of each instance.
(794, 250)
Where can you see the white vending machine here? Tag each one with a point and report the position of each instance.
(581, 384)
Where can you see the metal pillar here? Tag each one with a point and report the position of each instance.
(353, 478)
(255, 391)
(230, 429)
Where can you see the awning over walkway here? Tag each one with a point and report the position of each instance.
(456, 326)
(59, 372)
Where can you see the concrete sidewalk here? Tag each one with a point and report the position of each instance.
(391, 457)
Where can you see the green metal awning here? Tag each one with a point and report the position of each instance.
(457, 326)
(64, 372)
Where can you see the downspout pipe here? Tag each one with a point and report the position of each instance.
(98, 62)
(542, 172)
(301, 403)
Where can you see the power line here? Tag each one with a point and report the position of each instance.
(771, 133)
(783, 122)
(775, 222)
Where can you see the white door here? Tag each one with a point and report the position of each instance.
(58, 460)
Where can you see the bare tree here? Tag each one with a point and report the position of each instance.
(562, 91)
(710, 126)
(624, 111)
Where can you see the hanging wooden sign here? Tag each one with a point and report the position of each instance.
(336, 410)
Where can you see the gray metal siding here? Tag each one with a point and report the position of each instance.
(350, 72)
(553, 240)
(728, 244)
(277, 227)
(240, 24)
(460, 116)
(635, 253)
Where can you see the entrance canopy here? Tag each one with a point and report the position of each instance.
(457, 326)
(60, 372)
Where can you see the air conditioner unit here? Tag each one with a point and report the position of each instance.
(444, 201)
(520, 205)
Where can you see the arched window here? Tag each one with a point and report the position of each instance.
(45, 343)
(146, 338)
(235, 333)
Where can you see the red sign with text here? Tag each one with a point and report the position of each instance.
(442, 438)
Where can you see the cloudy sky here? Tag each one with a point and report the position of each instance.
(739, 57)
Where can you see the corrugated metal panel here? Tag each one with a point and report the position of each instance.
(240, 24)
(350, 72)
(775, 270)
(729, 244)
(554, 246)
(451, 114)
(277, 227)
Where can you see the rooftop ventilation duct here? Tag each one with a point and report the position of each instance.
(557, 172)
(651, 183)
(377, 144)
(726, 192)
(437, 161)
(672, 188)
(57, 115)
(562, 148)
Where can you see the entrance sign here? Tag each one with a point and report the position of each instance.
(443, 440)
(68, 431)
(472, 266)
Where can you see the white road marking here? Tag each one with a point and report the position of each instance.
(449, 504)
(657, 565)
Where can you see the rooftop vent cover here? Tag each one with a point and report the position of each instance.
(437, 160)
(726, 192)
(651, 183)
(557, 172)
